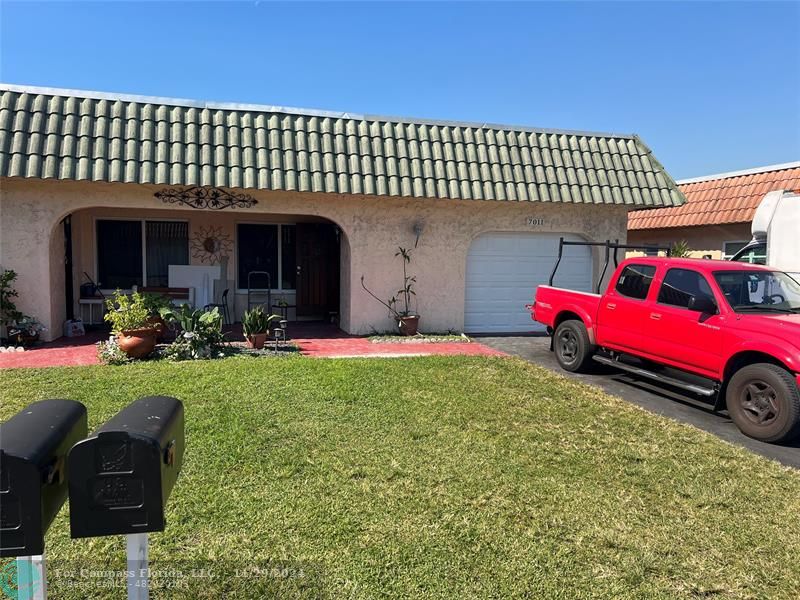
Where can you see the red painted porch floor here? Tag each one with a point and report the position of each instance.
(314, 339)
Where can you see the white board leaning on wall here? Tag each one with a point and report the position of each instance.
(200, 278)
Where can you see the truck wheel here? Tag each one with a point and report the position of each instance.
(764, 402)
(572, 346)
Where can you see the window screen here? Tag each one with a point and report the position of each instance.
(635, 281)
(167, 244)
(119, 254)
(680, 285)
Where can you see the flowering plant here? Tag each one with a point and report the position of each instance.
(109, 352)
(29, 326)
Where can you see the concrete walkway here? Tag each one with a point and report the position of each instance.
(650, 396)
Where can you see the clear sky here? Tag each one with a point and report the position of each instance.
(710, 87)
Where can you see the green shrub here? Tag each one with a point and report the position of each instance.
(200, 333)
(127, 312)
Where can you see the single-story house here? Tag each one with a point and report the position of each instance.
(124, 190)
(715, 220)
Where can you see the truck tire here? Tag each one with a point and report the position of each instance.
(764, 402)
(572, 346)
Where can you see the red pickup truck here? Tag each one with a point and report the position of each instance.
(724, 330)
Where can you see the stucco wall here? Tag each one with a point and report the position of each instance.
(373, 226)
(708, 239)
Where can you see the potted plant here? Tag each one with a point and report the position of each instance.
(255, 326)
(128, 315)
(155, 303)
(25, 330)
(399, 305)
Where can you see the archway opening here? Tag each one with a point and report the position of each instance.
(301, 260)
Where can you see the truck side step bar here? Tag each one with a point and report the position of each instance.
(690, 387)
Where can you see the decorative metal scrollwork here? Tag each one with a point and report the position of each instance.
(206, 198)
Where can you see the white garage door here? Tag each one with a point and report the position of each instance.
(503, 270)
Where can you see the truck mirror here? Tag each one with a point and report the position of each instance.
(703, 304)
(33, 471)
(121, 476)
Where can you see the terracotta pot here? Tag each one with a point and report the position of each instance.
(408, 325)
(137, 343)
(159, 325)
(257, 340)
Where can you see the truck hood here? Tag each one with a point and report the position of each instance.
(783, 326)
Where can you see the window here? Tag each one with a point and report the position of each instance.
(757, 256)
(268, 248)
(167, 243)
(123, 260)
(680, 285)
(635, 281)
(760, 291)
(119, 254)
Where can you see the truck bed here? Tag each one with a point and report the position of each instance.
(550, 301)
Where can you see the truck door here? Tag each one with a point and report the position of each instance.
(623, 308)
(687, 338)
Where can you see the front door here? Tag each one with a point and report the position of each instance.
(317, 269)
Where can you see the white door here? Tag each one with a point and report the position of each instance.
(503, 270)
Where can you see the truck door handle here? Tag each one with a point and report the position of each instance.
(611, 306)
(655, 316)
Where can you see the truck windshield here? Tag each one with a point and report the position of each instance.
(760, 291)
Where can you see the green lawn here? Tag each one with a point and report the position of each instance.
(455, 477)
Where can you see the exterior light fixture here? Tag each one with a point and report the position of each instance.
(417, 229)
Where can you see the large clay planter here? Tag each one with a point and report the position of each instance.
(408, 325)
(257, 340)
(159, 325)
(137, 343)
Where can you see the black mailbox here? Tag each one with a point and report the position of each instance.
(121, 476)
(33, 480)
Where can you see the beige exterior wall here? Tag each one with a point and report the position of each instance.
(703, 240)
(31, 241)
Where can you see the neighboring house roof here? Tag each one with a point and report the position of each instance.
(91, 136)
(720, 199)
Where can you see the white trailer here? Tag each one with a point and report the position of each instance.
(776, 228)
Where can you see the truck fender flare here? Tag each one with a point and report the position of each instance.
(775, 352)
(579, 312)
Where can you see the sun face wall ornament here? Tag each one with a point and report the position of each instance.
(210, 244)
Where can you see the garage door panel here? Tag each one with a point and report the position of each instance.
(503, 271)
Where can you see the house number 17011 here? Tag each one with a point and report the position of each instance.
(534, 221)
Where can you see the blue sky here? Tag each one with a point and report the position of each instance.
(710, 87)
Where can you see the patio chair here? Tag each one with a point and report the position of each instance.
(222, 306)
(259, 289)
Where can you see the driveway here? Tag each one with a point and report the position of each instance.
(650, 396)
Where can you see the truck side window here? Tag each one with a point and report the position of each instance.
(680, 285)
(635, 280)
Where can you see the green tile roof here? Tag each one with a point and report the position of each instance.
(90, 136)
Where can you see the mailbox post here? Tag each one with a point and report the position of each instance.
(122, 475)
(33, 483)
